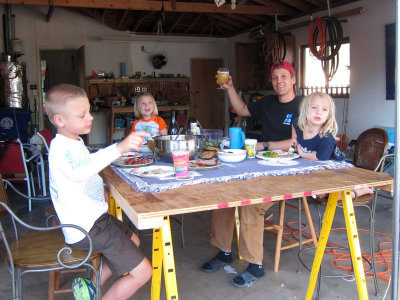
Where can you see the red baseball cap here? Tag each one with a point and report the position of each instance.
(283, 64)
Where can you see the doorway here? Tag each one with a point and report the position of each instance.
(207, 102)
(62, 66)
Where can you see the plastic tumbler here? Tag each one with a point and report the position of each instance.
(250, 145)
(181, 163)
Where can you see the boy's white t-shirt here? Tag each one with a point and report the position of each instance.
(76, 188)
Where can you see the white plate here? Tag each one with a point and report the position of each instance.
(281, 155)
(120, 162)
(153, 171)
(130, 154)
(198, 168)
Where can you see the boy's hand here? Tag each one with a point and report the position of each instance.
(133, 141)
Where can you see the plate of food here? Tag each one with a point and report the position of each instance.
(130, 155)
(129, 162)
(276, 155)
(153, 171)
(204, 164)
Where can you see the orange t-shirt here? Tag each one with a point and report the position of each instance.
(153, 126)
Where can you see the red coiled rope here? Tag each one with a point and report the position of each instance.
(317, 33)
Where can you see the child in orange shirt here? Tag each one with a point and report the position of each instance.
(147, 118)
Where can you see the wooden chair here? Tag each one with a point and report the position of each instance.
(276, 229)
(43, 251)
(370, 153)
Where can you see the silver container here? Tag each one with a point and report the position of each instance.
(166, 144)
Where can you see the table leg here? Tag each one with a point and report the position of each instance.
(157, 264)
(323, 239)
(354, 243)
(163, 252)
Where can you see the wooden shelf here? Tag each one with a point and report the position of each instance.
(115, 110)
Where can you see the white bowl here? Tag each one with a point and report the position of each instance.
(231, 155)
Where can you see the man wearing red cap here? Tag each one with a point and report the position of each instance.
(276, 113)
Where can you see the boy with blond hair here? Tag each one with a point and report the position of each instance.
(77, 193)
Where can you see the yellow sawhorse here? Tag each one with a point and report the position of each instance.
(163, 257)
(352, 236)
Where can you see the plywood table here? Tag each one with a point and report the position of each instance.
(147, 210)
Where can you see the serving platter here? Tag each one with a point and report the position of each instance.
(153, 171)
(138, 162)
(280, 155)
(193, 166)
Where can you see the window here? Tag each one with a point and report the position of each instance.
(313, 78)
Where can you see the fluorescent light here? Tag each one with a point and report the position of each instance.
(161, 38)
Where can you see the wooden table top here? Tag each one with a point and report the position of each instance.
(146, 210)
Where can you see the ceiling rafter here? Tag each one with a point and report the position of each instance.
(197, 7)
(193, 23)
(123, 18)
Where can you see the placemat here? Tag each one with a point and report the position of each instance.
(247, 169)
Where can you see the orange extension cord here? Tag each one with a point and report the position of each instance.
(382, 257)
(317, 26)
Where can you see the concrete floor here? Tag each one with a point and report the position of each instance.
(194, 284)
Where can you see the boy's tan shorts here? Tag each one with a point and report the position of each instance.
(112, 238)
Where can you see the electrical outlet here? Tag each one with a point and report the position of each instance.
(33, 87)
(144, 89)
(137, 89)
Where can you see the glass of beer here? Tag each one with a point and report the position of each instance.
(222, 76)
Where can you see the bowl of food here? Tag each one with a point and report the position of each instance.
(232, 155)
(164, 145)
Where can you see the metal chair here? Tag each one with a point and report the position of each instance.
(16, 162)
(43, 251)
(40, 142)
(369, 153)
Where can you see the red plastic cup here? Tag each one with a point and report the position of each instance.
(181, 163)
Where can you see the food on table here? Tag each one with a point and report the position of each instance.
(203, 163)
(212, 144)
(136, 161)
(153, 171)
(270, 154)
(208, 152)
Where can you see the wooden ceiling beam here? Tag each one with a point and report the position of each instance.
(139, 22)
(176, 22)
(340, 15)
(194, 23)
(299, 4)
(123, 18)
(151, 5)
(243, 19)
(226, 20)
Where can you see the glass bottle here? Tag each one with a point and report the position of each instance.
(173, 128)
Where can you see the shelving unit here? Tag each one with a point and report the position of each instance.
(175, 90)
(115, 110)
(171, 89)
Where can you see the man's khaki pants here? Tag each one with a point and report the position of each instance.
(251, 230)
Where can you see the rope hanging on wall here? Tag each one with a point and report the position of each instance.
(273, 43)
(325, 40)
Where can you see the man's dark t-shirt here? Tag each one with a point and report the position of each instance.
(276, 117)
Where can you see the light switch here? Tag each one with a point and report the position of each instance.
(144, 89)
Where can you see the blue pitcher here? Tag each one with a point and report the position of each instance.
(236, 138)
